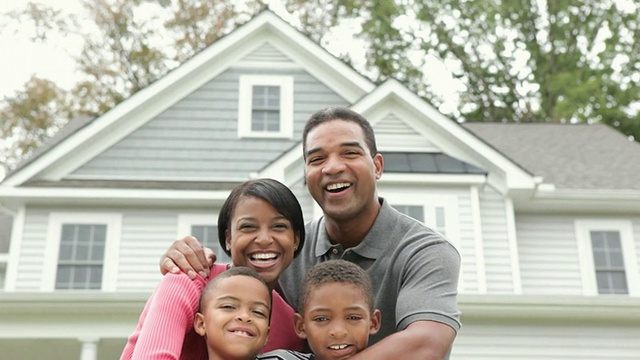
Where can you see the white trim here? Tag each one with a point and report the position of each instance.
(452, 179)
(513, 246)
(17, 233)
(185, 221)
(115, 194)
(113, 221)
(585, 253)
(245, 105)
(478, 241)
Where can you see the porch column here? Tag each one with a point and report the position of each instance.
(89, 348)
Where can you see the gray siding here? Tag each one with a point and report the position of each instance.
(545, 342)
(197, 138)
(495, 242)
(548, 252)
(392, 131)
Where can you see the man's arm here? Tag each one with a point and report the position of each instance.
(424, 340)
(188, 255)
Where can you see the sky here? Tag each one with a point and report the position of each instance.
(20, 58)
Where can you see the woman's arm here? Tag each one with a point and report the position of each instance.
(167, 317)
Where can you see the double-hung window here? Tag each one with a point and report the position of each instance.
(204, 228)
(607, 257)
(265, 106)
(82, 251)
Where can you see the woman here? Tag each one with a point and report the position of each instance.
(261, 226)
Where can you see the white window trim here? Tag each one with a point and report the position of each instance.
(583, 227)
(185, 221)
(113, 222)
(245, 104)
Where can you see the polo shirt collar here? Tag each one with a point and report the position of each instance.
(373, 245)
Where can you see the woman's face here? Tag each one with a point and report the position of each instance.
(261, 238)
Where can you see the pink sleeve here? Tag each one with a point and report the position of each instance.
(165, 327)
(167, 317)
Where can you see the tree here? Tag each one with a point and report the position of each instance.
(519, 61)
(124, 51)
(516, 60)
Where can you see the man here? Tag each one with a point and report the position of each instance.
(414, 269)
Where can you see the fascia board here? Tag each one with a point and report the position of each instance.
(561, 309)
(458, 137)
(55, 195)
(437, 179)
(579, 201)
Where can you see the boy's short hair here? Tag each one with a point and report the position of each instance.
(331, 271)
(230, 272)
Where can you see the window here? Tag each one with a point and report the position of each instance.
(82, 251)
(203, 227)
(81, 256)
(265, 106)
(607, 257)
(608, 262)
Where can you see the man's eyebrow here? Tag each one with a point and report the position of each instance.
(344, 144)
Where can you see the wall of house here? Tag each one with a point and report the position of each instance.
(197, 138)
(549, 261)
(532, 341)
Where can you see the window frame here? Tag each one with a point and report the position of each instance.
(583, 228)
(186, 221)
(113, 222)
(245, 105)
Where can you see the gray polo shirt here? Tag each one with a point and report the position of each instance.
(414, 270)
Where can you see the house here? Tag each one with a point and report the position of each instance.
(546, 217)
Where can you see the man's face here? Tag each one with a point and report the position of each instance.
(337, 327)
(341, 174)
(235, 318)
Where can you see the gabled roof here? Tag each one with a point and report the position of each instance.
(446, 134)
(90, 139)
(569, 156)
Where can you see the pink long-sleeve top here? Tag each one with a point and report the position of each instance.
(165, 327)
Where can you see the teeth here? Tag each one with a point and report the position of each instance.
(240, 332)
(264, 256)
(338, 186)
(337, 347)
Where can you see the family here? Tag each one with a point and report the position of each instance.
(362, 282)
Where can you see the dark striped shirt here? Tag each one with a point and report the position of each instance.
(285, 355)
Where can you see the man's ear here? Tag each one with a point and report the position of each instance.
(198, 324)
(298, 325)
(376, 322)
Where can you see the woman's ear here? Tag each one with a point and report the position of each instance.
(227, 239)
(376, 322)
(198, 324)
(298, 325)
(296, 242)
